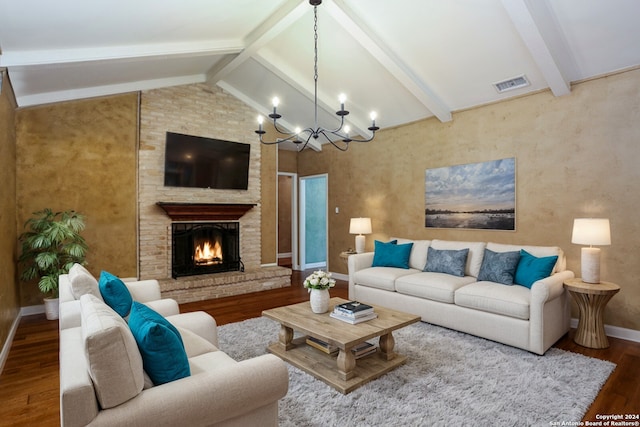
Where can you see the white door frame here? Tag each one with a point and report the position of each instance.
(303, 265)
(294, 219)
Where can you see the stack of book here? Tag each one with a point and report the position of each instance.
(322, 346)
(353, 312)
(364, 349)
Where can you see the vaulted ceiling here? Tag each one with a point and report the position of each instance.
(405, 59)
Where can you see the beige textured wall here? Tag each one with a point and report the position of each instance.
(287, 161)
(576, 156)
(82, 155)
(9, 290)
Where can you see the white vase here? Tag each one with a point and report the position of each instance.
(319, 300)
(51, 309)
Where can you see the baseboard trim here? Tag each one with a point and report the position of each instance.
(340, 276)
(616, 331)
(4, 355)
(31, 310)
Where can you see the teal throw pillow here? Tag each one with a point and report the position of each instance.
(531, 269)
(115, 293)
(391, 254)
(163, 355)
(447, 261)
(499, 267)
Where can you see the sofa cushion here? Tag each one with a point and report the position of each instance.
(380, 277)
(391, 254)
(539, 251)
(82, 282)
(194, 344)
(531, 269)
(163, 353)
(115, 293)
(418, 257)
(476, 252)
(447, 261)
(434, 286)
(210, 361)
(499, 267)
(113, 359)
(512, 301)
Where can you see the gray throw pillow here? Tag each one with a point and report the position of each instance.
(499, 267)
(447, 261)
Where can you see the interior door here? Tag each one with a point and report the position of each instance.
(314, 221)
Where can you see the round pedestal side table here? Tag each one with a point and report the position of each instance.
(591, 299)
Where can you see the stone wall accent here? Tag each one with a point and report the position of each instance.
(209, 286)
(199, 110)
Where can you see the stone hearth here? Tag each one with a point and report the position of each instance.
(209, 286)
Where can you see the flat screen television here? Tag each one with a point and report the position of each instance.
(195, 161)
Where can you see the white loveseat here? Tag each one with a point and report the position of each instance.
(103, 383)
(532, 319)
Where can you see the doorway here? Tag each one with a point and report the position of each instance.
(287, 232)
(314, 221)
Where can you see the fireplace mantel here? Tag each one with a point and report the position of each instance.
(205, 211)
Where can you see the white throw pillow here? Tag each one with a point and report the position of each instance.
(83, 282)
(113, 358)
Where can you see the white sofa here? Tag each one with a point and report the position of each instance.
(103, 383)
(531, 319)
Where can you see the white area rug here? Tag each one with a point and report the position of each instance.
(450, 379)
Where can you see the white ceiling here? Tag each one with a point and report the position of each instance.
(405, 59)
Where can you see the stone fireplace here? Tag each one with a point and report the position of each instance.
(206, 111)
(206, 254)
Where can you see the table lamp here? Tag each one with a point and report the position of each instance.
(360, 226)
(591, 231)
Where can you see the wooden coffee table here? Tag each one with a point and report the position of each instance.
(343, 372)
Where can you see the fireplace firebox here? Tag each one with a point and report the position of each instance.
(205, 248)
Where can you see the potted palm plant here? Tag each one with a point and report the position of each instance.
(51, 244)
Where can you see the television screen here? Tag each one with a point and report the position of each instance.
(194, 161)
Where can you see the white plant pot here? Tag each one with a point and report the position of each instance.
(319, 300)
(51, 308)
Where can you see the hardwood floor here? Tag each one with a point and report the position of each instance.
(29, 384)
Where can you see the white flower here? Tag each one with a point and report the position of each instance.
(319, 280)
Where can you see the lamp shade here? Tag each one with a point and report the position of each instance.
(360, 226)
(591, 231)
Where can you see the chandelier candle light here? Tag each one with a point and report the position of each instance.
(301, 137)
(591, 231)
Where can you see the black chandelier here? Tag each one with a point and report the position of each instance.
(301, 137)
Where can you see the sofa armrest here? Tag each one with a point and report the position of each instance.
(355, 263)
(69, 314)
(144, 290)
(550, 287)
(199, 323)
(166, 307)
(207, 398)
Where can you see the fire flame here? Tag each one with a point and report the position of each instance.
(208, 254)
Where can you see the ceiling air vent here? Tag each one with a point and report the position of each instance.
(511, 84)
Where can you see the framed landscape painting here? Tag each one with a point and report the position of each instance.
(474, 196)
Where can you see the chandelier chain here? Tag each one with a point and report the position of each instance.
(315, 64)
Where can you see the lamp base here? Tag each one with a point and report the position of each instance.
(590, 261)
(360, 240)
